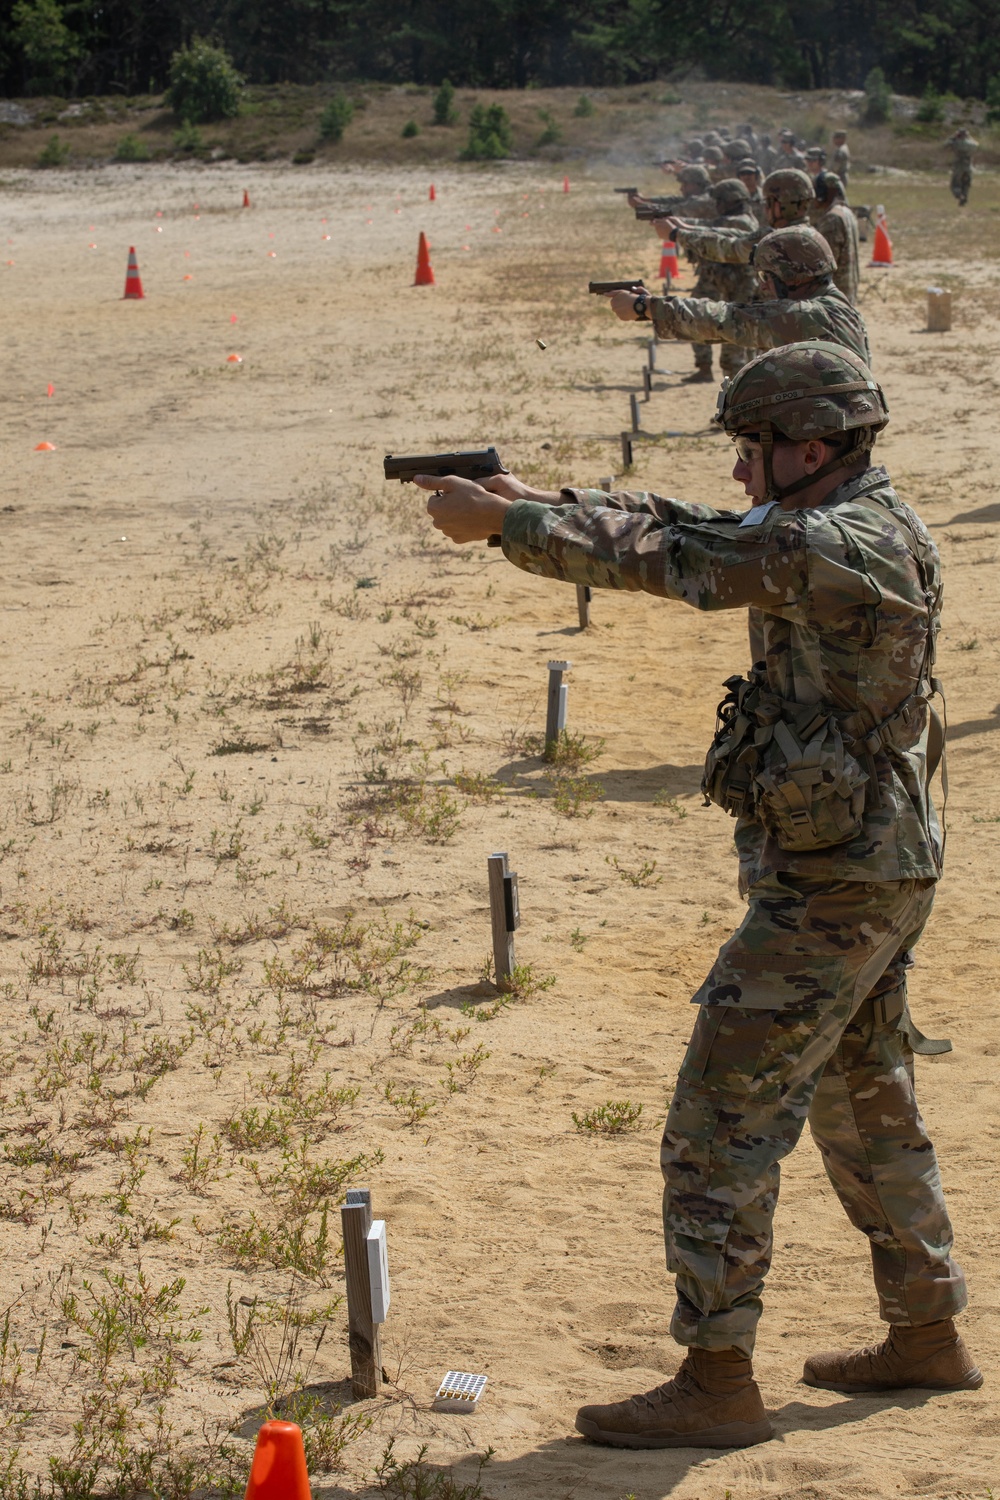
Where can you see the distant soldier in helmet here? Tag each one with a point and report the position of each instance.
(728, 283)
(841, 161)
(962, 147)
(751, 177)
(789, 154)
(694, 200)
(715, 163)
(795, 268)
(788, 198)
(836, 223)
(824, 753)
(815, 161)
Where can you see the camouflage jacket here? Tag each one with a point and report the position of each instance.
(762, 325)
(962, 153)
(731, 247)
(838, 615)
(839, 228)
(694, 206)
(841, 163)
(726, 282)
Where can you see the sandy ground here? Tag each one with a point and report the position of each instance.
(210, 561)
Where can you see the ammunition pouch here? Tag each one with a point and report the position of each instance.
(805, 771)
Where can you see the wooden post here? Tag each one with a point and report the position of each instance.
(651, 355)
(583, 604)
(633, 403)
(364, 1336)
(555, 717)
(938, 310)
(503, 937)
(626, 450)
(647, 381)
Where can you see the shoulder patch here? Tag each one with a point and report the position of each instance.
(756, 513)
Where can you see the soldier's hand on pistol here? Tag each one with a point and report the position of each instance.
(634, 199)
(622, 304)
(665, 227)
(462, 509)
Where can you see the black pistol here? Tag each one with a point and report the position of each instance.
(475, 463)
(635, 285)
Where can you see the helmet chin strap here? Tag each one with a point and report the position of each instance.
(772, 492)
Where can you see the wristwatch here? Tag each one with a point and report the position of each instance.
(639, 308)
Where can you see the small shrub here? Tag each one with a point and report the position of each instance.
(336, 117)
(131, 148)
(410, 129)
(551, 135)
(612, 1118)
(490, 136)
(204, 85)
(189, 139)
(55, 153)
(584, 108)
(930, 110)
(418, 1480)
(445, 112)
(877, 107)
(671, 97)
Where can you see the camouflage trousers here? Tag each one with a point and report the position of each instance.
(804, 1016)
(961, 182)
(732, 357)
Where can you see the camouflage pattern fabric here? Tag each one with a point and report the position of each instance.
(762, 325)
(695, 206)
(790, 156)
(840, 162)
(962, 149)
(838, 615)
(839, 228)
(730, 246)
(734, 283)
(830, 959)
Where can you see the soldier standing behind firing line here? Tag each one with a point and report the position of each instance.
(962, 147)
(826, 761)
(833, 219)
(795, 268)
(841, 160)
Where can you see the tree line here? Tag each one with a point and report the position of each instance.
(79, 47)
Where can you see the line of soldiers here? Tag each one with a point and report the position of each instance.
(776, 260)
(721, 152)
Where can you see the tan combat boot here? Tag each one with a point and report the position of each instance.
(930, 1356)
(712, 1402)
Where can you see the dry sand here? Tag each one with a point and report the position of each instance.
(184, 572)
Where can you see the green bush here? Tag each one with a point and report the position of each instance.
(410, 129)
(993, 100)
(55, 153)
(204, 85)
(584, 108)
(445, 112)
(130, 148)
(188, 139)
(336, 117)
(930, 110)
(878, 99)
(48, 46)
(490, 136)
(551, 135)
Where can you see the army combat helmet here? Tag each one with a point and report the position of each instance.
(730, 195)
(791, 189)
(793, 257)
(694, 176)
(813, 389)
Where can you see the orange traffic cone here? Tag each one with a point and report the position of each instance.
(133, 283)
(882, 249)
(246, 199)
(669, 265)
(432, 195)
(425, 274)
(565, 184)
(278, 1471)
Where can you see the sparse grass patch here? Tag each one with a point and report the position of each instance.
(614, 1117)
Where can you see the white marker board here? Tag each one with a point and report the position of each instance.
(378, 1270)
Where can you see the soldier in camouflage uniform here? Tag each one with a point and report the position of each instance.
(962, 147)
(788, 198)
(803, 1014)
(833, 219)
(751, 176)
(718, 281)
(841, 163)
(714, 161)
(795, 268)
(789, 154)
(815, 161)
(694, 200)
